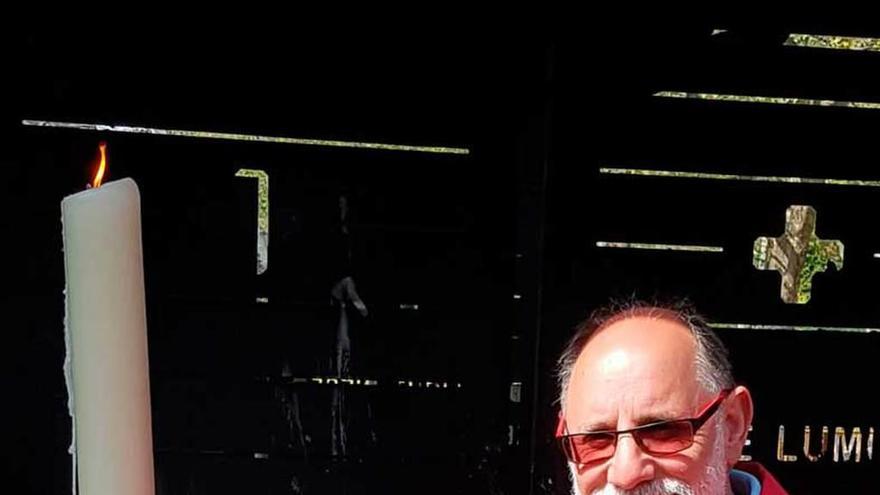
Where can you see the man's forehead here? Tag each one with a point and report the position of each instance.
(643, 360)
(648, 335)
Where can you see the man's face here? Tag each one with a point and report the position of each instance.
(637, 371)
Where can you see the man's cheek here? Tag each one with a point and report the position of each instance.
(584, 482)
(685, 471)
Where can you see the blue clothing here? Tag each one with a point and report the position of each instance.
(744, 483)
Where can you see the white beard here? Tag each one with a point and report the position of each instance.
(661, 486)
(715, 481)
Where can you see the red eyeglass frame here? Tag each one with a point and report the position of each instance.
(705, 412)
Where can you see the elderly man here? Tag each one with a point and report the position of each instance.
(649, 406)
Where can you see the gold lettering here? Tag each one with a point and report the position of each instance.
(823, 444)
(781, 456)
(855, 443)
(746, 457)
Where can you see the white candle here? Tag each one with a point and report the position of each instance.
(107, 332)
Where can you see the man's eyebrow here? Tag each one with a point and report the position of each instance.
(596, 426)
(640, 421)
(655, 418)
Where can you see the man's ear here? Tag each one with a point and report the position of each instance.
(737, 419)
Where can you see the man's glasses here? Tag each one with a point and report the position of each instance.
(663, 437)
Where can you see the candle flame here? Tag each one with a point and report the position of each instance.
(99, 175)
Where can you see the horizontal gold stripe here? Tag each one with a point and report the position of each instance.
(773, 100)
(242, 137)
(734, 177)
(660, 247)
(833, 42)
(800, 328)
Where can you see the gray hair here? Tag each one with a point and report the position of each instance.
(714, 372)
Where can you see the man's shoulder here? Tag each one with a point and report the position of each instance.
(769, 485)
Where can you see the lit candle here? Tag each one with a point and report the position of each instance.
(107, 340)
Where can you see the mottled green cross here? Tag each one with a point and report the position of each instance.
(797, 254)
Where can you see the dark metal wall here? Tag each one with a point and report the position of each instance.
(473, 266)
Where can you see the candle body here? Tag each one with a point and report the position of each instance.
(106, 325)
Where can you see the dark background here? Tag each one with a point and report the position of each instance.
(458, 235)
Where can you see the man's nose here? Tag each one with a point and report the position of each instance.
(630, 466)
